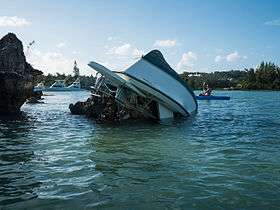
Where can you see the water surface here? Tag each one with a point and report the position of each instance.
(225, 157)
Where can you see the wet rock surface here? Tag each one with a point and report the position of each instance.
(104, 109)
(100, 109)
(16, 75)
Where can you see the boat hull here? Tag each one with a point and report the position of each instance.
(149, 74)
(158, 96)
(57, 89)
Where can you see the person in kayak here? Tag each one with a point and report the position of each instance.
(207, 91)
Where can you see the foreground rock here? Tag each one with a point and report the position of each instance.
(103, 110)
(99, 109)
(16, 75)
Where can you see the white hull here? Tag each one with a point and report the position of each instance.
(158, 95)
(164, 84)
(61, 89)
(59, 85)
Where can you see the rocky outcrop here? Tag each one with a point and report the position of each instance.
(104, 110)
(100, 109)
(16, 75)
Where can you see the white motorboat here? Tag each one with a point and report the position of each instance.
(150, 86)
(39, 87)
(76, 85)
(60, 85)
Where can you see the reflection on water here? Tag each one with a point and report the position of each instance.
(225, 157)
(17, 182)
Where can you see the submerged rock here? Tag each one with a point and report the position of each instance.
(37, 94)
(16, 75)
(95, 108)
(104, 109)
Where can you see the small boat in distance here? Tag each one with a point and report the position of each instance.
(211, 97)
(76, 85)
(59, 85)
(39, 87)
(207, 94)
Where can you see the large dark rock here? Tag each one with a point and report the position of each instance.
(100, 109)
(104, 109)
(16, 75)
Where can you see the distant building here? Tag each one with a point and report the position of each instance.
(194, 74)
(76, 70)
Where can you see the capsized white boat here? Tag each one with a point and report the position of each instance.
(150, 86)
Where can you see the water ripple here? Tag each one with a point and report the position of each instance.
(225, 157)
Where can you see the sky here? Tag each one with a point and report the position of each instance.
(193, 35)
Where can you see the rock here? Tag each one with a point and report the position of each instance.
(104, 109)
(92, 107)
(78, 108)
(37, 94)
(16, 75)
(100, 109)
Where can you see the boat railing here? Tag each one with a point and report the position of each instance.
(121, 97)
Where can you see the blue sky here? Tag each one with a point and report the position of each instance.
(204, 35)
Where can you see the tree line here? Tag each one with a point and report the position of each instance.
(264, 77)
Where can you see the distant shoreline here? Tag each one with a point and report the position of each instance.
(266, 76)
(265, 90)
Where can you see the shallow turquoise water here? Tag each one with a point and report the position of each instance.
(225, 157)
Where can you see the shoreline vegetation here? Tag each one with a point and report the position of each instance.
(265, 77)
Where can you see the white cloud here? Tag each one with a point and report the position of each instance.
(165, 43)
(60, 45)
(113, 38)
(218, 58)
(232, 57)
(53, 62)
(121, 55)
(13, 21)
(123, 50)
(49, 62)
(137, 53)
(126, 51)
(275, 22)
(186, 62)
